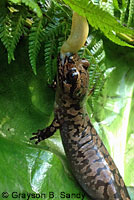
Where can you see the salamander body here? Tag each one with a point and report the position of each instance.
(90, 162)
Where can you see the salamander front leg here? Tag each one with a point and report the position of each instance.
(46, 133)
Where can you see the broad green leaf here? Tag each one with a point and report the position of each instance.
(114, 110)
(131, 192)
(26, 104)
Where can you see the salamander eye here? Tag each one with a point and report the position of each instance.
(72, 76)
(85, 64)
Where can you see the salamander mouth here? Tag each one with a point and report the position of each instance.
(67, 65)
(66, 57)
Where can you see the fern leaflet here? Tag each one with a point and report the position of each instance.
(50, 60)
(131, 11)
(35, 39)
(108, 6)
(53, 30)
(10, 31)
(116, 5)
(17, 30)
(31, 4)
(94, 52)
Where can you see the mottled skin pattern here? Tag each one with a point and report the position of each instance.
(90, 162)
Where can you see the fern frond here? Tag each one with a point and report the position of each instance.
(31, 4)
(10, 31)
(50, 62)
(5, 34)
(62, 7)
(45, 5)
(116, 4)
(95, 53)
(17, 30)
(15, 1)
(53, 30)
(108, 6)
(60, 42)
(126, 12)
(131, 12)
(122, 16)
(113, 37)
(35, 39)
(54, 36)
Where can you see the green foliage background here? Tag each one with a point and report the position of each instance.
(32, 33)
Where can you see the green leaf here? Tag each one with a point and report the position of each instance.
(94, 52)
(114, 110)
(131, 11)
(31, 4)
(35, 39)
(50, 62)
(100, 19)
(131, 192)
(10, 31)
(113, 37)
(107, 6)
(116, 4)
(53, 30)
(15, 1)
(52, 34)
(5, 35)
(26, 105)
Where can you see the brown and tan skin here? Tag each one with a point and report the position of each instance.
(90, 162)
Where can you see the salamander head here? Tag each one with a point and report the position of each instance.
(73, 77)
